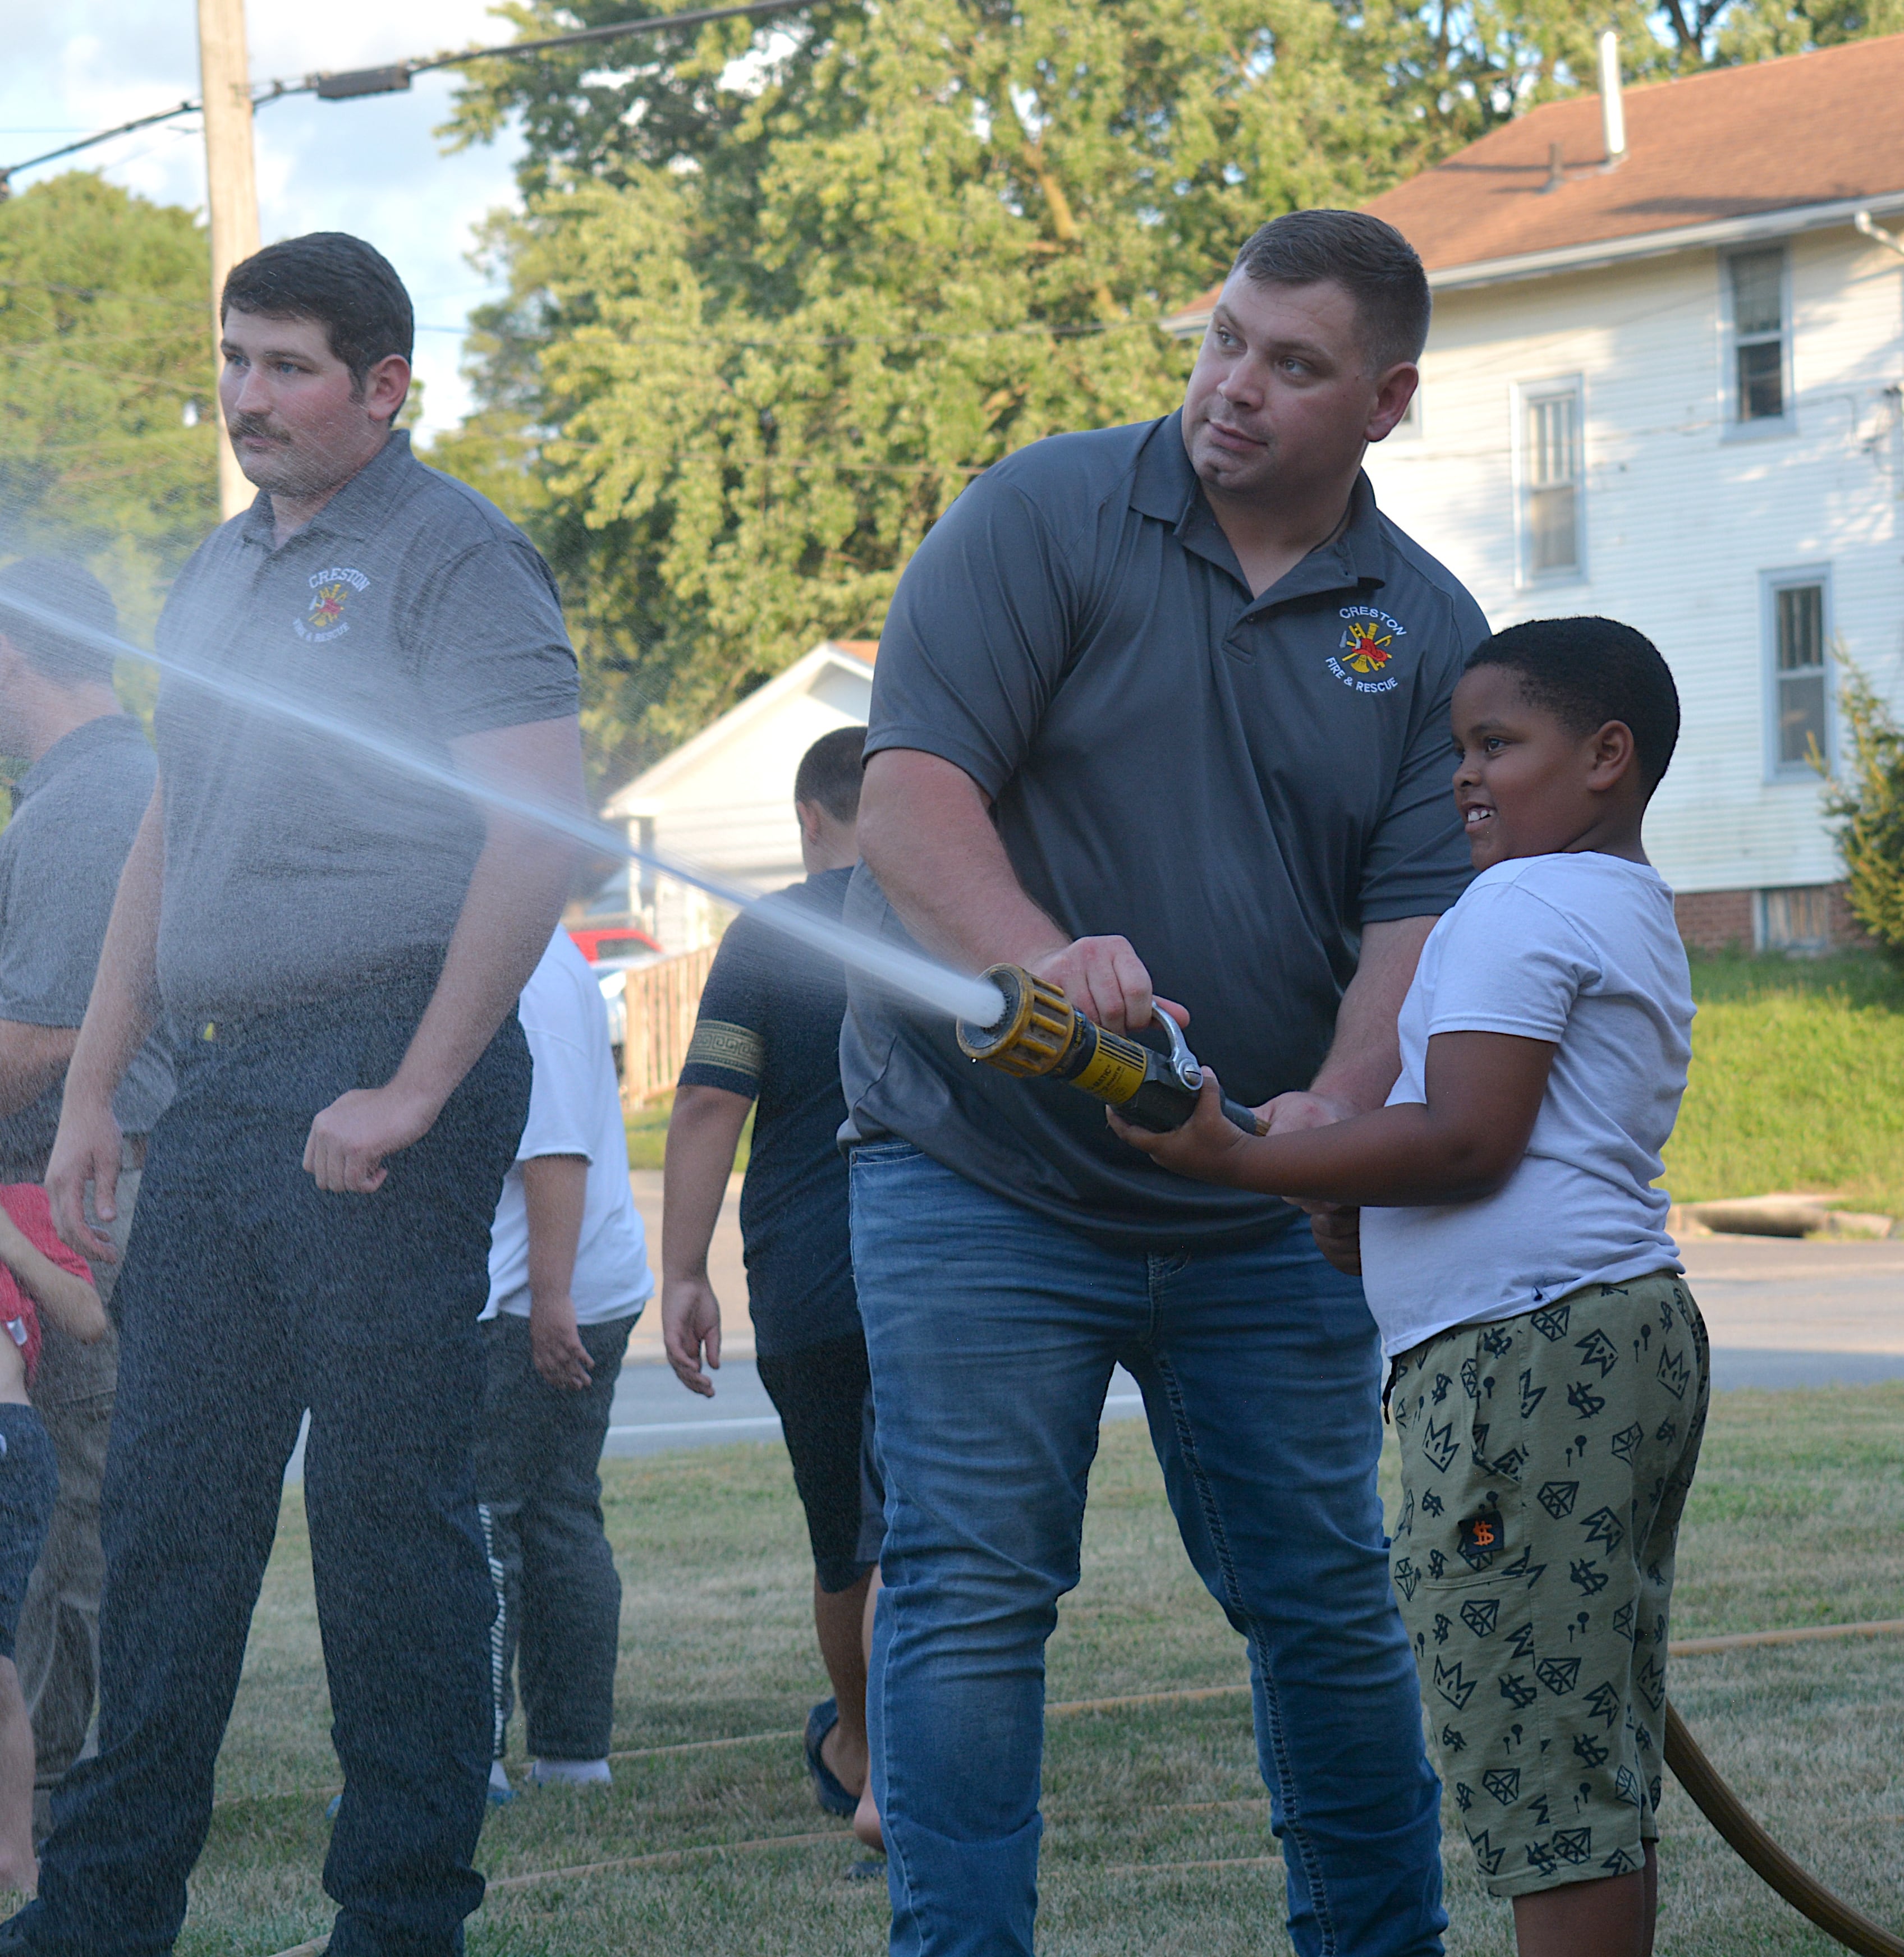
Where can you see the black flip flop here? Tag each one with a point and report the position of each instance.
(826, 1787)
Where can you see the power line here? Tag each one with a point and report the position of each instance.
(396, 76)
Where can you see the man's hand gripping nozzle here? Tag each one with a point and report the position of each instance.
(1040, 1032)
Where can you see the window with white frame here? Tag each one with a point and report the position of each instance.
(1551, 472)
(1756, 289)
(1796, 629)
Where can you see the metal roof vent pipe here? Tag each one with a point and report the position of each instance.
(1613, 114)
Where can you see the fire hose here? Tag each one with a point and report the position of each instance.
(1041, 1034)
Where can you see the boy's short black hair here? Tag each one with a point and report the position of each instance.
(1586, 671)
(830, 772)
(1372, 262)
(74, 597)
(350, 288)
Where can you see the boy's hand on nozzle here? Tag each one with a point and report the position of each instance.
(1207, 1147)
(1105, 980)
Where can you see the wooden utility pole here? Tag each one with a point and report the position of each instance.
(225, 82)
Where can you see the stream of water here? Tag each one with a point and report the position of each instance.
(957, 994)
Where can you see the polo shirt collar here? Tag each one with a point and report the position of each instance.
(104, 730)
(355, 512)
(1164, 485)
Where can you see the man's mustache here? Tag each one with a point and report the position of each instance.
(254, 425)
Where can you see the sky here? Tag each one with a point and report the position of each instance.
(371, 167)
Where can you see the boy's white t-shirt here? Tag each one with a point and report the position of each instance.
(1582, 949)
(574, 1109)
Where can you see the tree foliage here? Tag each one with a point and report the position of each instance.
(105, 337)
(769, 316)
(1866, 801)
(779, 292)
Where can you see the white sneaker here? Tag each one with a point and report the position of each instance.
(570, 1773)
(500, 1791)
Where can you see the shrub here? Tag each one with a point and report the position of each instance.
(1866, 801)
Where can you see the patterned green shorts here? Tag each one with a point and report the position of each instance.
(1545, 1461)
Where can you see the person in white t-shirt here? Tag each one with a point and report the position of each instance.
(1549, 1366)
(568, 1276)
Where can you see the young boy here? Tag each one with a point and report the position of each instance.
(568, 1277)
(1549, 1370)
(35, 1269)
(767, 1038)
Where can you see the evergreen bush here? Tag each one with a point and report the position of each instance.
(1865, 800)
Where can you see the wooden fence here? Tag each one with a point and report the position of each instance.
(661, 1000)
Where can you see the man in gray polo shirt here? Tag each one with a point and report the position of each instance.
(76, 810)
(1160, 706)
(340, 943)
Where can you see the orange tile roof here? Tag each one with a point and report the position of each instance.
(1815, 128)
(1734, 142)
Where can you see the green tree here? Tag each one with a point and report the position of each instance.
(1866, 801)
(105, 358)
(780, 290)
(770, 314)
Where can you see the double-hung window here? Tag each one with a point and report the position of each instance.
(1552, 482)
(1796, 629)
(1756, 282)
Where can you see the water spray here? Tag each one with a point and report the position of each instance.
(956, 993)
(1039, 1033)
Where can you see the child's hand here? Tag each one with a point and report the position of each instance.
(79, 1314)
(1209, 1147)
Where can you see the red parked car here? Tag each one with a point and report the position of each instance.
(614, 943)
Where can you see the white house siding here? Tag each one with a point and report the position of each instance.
(1684, 509)
(723, 804)
(734, 813)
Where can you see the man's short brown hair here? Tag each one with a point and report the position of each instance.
(830, 771)
(1372, 262)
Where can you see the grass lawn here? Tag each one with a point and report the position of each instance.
(1798, 1518)
(1796, 1064)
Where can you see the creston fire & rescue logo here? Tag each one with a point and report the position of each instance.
(1362, 661)
(330, 591)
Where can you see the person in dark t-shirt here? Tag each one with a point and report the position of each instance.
(768, 1038)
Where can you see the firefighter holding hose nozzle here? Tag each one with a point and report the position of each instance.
(1158, 711)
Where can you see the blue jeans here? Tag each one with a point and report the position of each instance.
(992, 1336)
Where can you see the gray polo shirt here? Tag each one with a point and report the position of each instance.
(75, 812)
(1235, 785)
(299, 866)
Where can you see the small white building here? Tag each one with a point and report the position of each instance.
(1665, 383)
(723, 802)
